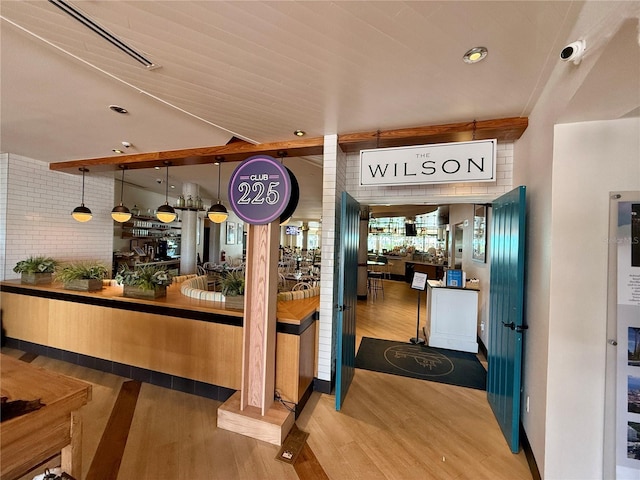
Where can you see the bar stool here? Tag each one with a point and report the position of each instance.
(374, 283)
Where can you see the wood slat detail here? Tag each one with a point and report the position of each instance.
(106, 463)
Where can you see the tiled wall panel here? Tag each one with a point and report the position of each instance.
(37, 205)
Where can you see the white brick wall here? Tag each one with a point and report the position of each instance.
(4, 169)
(328, 252)
(37, 203)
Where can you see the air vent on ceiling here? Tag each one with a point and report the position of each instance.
(112, 39)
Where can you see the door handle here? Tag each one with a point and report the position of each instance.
(342, 308)
(517, 328)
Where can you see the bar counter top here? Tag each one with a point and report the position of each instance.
(290, 312)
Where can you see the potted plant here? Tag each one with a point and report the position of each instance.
(36, 270)
(232, 287)
(82, 276)
(146, 282)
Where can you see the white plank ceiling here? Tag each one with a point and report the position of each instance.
(260, 70)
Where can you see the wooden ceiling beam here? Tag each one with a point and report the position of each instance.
(232, 152)
(504, 129)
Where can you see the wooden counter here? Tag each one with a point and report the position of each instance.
(28, 440)
(169, 341)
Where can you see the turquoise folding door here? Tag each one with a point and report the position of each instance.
(506, 312)
(347, 296)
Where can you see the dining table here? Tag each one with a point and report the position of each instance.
(52, 424)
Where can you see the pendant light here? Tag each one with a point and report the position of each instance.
(121, 213)
(82, 213)
(218, 213)
(166, 213)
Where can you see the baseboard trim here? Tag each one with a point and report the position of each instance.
(322, 386)
(528, 452)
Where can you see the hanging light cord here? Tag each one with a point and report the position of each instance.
(122, 187)
(166, 190)
(83, 170)
(219, 170)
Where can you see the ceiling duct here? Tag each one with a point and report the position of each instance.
(112, 39)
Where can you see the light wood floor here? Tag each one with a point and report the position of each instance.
(390, 427)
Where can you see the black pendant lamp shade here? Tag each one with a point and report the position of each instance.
(121, 213)
(166, 213)
(82, 213)
(218, 212)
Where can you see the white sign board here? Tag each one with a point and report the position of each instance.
(419, 281)
(458, 162)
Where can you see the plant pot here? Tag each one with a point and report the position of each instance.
(236, 301)
(37, 278)
(84, 285)
(137, 292)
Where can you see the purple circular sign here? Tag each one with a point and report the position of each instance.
(259, 190)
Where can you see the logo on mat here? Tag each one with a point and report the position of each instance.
(418, 361)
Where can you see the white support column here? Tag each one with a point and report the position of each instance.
(214, 242)
(305, 236)
(188, 248)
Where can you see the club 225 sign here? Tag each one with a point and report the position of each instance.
(260, 189)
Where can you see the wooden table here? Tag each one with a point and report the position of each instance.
(30, 439)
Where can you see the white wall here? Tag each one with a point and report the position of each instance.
(38, 218)
(459, 213)
(580, 455)
(590, 161)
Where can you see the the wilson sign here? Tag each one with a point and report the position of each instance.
(438, 163)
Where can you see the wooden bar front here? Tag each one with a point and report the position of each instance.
(176, 335)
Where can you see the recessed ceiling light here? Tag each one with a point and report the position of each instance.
(117, 150)
(118, 109)
(475, 55)
(299, 133)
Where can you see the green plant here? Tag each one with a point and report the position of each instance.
(36, 265)
(146, 278)
(232, 283)
(81, 271)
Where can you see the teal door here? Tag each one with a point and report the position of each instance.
(347, 296)
(506, 312)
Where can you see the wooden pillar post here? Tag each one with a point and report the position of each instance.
(252, 411)
(261, 291)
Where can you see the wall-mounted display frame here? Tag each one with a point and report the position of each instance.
(479, 233)
(231, 233)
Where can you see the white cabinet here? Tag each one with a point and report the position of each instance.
(452, 317)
